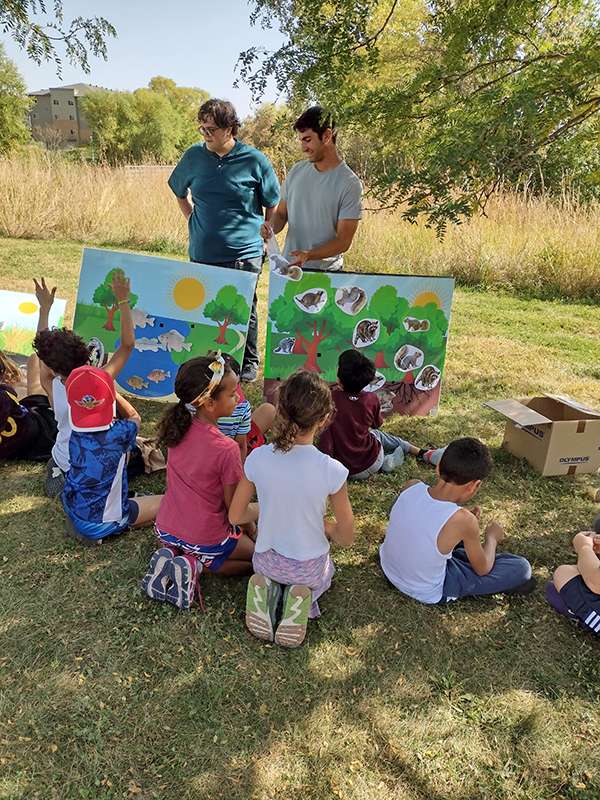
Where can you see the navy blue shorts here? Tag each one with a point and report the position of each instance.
(582, 602)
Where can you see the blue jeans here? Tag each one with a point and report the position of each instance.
(507, 574)
(251, 358)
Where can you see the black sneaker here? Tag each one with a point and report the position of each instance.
(249, 374)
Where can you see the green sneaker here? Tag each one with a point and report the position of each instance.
(291, 630)
(262, 599)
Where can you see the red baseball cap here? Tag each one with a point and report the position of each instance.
(91, 397)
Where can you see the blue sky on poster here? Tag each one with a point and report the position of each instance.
(194, 42)
(21, 309)
(156, 282)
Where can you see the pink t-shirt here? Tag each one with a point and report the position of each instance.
(193, 508)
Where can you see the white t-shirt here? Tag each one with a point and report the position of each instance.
(60, 451)
(292, 491)
(410, 558)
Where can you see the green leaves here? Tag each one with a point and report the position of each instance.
(14, 105)
(37, 27)
(449, 99)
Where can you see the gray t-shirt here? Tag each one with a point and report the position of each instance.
(316, 201)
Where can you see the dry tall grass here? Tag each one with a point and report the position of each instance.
(536, 245)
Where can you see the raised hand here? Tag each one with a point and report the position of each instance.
(120, 286)
(45, 296)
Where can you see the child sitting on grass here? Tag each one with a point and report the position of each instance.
(95, 493)
(432, 549)
(27, 426)
(575, 588)
(293, 482)
(60, 352)
(353, 436)
(248, 428)
(203, 470)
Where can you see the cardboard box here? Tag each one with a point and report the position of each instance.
(557, 435)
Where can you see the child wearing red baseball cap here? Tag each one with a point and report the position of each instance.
(95, 494)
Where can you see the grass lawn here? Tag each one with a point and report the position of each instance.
(106, 695)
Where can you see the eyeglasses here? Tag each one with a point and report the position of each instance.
(207, 131)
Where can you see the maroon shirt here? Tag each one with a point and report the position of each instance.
(348, 438)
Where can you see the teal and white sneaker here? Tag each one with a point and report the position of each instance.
(262, 599)
(291, 630)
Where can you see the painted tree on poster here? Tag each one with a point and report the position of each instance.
(105, 297)
(228, 308)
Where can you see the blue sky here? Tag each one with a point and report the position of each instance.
(194, 42)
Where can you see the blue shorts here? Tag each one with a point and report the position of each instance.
(211, 556)
(583, 603)
(100, 530)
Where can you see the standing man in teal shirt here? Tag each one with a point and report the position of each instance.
(230, 184)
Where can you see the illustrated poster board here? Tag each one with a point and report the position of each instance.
(19, 313)
(399, 321)
(180, 310)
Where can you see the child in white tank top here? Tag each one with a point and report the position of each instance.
(432, 549)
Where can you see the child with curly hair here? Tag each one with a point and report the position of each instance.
(353, 436)
(60, 352)
(27, 426)
(203, 471)
(294, 483)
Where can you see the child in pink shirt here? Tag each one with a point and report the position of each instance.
(203, 470)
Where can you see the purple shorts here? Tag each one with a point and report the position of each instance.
(211, 556)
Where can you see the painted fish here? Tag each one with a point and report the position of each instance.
(174, 342)
(144, 343)
(137, 383)
(141, 318)
(158, 375)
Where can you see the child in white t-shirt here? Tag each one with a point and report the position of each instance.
(293, 481)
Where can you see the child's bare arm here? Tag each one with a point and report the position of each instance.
(237, 500)
(120, 287)
(126, 411)
(342, 530)
(464, 526)
(588, 563)
(242, 440)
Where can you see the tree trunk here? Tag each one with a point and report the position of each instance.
(222, 331)
(380, 360)
(298, 348)
(311, 352)
(110, 312)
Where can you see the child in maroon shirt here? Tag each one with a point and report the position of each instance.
(353, 437)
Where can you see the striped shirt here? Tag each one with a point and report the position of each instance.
(238, 424)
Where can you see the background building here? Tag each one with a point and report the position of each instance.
(56, 117)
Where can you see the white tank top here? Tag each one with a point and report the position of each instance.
(60, 451)
(409, 554)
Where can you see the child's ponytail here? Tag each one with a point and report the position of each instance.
(174, 425)
(304, 400)
(194, 379)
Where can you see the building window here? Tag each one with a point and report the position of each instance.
(56, 116)
(71, 116)
(72, 133)
(70, 102)
(34, 116)
(55, 102)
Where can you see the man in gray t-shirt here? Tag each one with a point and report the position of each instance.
(320, 199)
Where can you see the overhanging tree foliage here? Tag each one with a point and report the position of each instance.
(455, 96)
(40, 28)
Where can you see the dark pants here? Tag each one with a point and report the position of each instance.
(508, 573)
(251, 358)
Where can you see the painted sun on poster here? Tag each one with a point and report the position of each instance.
(180, 310)
(399, 321)
(19, 312)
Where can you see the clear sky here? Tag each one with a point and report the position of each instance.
(194, 42)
